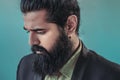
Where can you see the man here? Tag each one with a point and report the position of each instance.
(57, 51)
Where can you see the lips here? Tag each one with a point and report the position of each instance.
(38, 49)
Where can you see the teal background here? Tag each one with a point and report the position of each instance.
(99, 30)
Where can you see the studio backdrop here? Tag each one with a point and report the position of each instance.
(99, 30)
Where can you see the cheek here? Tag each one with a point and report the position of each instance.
(48, 40)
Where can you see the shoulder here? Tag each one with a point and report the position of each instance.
(95, 67)
(27, 57)
(95, 59)
(25, 67)
(100, 66)
(100, 60)
(26, 60)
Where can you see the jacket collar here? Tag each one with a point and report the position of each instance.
(81, 64)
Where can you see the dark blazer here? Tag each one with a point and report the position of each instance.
(89, 66)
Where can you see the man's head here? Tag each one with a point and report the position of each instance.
(53, 27)
(58, 11)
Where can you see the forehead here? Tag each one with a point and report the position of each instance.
(35, 17)
(38, 20)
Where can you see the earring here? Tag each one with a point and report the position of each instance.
(69, 37)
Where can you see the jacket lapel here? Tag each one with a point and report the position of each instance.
(38, 77)
(81, 65)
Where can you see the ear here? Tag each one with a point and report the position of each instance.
(71, 24)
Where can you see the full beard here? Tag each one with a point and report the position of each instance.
(49, 63)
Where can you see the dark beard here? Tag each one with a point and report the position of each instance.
(49, 63)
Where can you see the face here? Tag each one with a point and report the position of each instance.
(49, 42)
(40, 32)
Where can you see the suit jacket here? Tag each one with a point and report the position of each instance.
(89, 66)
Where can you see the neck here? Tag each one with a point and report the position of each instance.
(76, 43)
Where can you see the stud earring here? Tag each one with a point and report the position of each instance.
(69, 37)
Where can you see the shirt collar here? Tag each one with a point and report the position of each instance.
(68, 68)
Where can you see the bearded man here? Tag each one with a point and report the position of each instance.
(57, 51)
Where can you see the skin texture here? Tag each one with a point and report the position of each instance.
(45, 34)
(40, 32)
(53, 44)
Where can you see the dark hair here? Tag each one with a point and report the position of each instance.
(58, 10)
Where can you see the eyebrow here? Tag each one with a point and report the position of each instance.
(37, 29)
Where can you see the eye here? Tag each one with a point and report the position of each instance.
(40, 31)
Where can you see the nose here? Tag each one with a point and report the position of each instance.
(33, 39)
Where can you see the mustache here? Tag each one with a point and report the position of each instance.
(35, 48)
